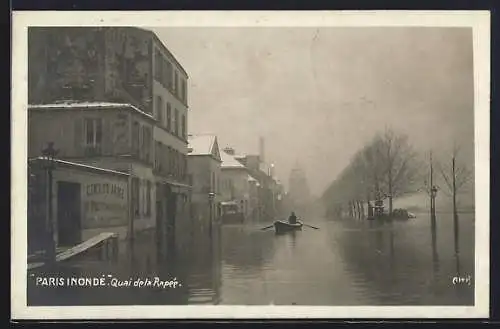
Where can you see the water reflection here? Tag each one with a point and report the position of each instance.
(398, 267)
(343, 263)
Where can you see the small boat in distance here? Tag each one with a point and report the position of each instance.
(281, 226)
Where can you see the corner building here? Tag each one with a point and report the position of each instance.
(123, 65)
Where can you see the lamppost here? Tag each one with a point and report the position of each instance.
(48, 155)
(211, 197)
(434, 191)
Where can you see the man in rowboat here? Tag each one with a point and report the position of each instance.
(292, 219)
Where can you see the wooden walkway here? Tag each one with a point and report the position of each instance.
(107, 238)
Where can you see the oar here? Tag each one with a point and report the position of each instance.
(314, 227)
(265, 228)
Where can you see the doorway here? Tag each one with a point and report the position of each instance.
(68, 213)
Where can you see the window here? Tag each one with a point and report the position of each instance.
(158, 66)
(212, 185)
(169, 73)
(183, 127)
(176, 161)
(176, 83)
(176, 122)
(159, 110)
(148, 198)
(170, 160)
(183, 90)
(169, 117)
(135, 138)
(135, 197)
(146, 143)
(164, 158)
(158, 156)
(93, 131)
(93, 136)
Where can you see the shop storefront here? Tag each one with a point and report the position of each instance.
(85, 201)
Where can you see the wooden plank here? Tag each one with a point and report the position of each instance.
(84, 246)
(32, 266)
(71, 252)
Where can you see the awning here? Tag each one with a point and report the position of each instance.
(175, 186)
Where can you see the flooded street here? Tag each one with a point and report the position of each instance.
(347, 262)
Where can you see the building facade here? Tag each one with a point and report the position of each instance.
(122, 90)
(239, 190)
(204, 168)
(86, 201)
(117, 137)
(268, 191)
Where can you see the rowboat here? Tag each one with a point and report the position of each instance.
(281, 226)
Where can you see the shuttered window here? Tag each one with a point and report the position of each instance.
(169, 117)
(176, 122)
(148, 198)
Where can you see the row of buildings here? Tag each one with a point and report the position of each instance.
(113, 102)
(244, 187)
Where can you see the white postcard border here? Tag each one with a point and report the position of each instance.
(479, 21)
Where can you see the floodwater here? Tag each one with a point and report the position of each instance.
(344, 262)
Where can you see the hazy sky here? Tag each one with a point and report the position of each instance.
(318, 95)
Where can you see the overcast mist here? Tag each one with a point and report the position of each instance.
(318, 95)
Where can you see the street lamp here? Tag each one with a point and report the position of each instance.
(434, 191)
(48, 155)
(211, 197)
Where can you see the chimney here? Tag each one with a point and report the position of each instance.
(261, 149)
(229, 150)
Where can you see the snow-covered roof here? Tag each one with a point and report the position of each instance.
(201, 144)
(78, 105)
(229, 161)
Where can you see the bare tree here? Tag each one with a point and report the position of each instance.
(385, 165)
(398, 159)
(455, 177)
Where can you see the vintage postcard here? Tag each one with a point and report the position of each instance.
(250, 164)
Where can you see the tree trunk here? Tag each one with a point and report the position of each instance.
(455, 214)
(390, 193)
(432, 196)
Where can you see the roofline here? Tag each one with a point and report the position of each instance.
(155, 37)
(96, 105)
(204, 155)
(70, 164)
(242, 168)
